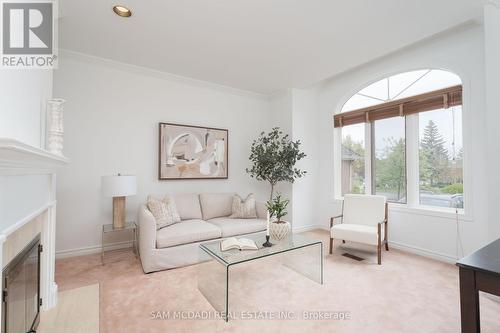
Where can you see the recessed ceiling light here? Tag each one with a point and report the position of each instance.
(122, 11)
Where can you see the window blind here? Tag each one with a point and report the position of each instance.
(433, 100)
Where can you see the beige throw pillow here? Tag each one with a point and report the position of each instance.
(243, 209)
(164, 211)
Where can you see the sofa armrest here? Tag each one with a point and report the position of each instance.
(147, 234)
(261, 209)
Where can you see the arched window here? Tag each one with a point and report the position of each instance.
(402, 138)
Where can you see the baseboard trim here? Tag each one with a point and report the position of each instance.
(399, 246)
(423, 252)
(92, 249)
(121, 245)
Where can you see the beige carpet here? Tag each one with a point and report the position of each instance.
(408, 293)
(77, 311)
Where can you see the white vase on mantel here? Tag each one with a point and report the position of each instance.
(279, 230)
(55, 110)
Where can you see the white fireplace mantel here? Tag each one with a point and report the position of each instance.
(27, 191)
(20, 158)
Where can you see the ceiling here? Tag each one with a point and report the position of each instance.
(256, 45)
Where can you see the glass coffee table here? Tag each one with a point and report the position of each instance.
(297, 252)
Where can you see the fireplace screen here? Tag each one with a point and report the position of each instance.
(21, 291)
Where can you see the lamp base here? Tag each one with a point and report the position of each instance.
(118, 212)
(267, 243)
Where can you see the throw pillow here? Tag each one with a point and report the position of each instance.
(164, 211)
(243, 209)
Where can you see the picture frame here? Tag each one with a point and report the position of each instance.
(192, 152)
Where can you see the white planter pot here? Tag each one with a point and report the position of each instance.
(279, 231)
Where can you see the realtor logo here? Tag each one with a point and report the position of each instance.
(28, 34)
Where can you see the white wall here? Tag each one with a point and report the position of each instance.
(492, 69)
(21, 195)
(111, 125)
(22, 104)
(295, 112)
(305, 128)
(460, 52)
(280, 115)
(281, 107)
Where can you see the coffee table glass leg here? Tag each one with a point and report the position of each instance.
(226, 311)
(213, 282)
(307, 261)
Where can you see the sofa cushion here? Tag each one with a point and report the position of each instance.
(356, 233)
(188, 206)
(164, 211)
(184, 232)
(243, 209)
(231, 227)
(216, 204)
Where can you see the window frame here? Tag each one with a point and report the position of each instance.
(412, 205)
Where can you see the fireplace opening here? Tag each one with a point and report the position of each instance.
(21, 290)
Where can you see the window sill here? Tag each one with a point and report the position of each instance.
(424, 210)
(430, 211)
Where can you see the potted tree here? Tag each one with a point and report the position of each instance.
(278, 229)
(273, 156)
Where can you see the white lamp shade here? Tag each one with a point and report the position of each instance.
(119, 185)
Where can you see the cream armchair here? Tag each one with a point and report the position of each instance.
(363, 220)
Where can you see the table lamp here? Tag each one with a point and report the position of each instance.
(118, 186)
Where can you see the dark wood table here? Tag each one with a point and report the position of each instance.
(479, 271)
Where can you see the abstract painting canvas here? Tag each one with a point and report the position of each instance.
(193, 152)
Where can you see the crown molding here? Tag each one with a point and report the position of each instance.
(159, 74)
(20, 158)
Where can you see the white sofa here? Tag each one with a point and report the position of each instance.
(204, 217)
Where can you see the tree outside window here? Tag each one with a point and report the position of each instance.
(390, 159)
(441, 158)
(353, 160)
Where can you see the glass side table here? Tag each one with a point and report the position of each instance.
(109, 228)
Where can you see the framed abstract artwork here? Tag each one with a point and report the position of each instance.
(192, 152)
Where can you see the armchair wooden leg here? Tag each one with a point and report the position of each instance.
(385, 238)
(379, 254)
(379, 246)
(331, 245)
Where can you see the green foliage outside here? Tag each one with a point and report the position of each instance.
(454, 188)
(358, 165)
(390, 168)
(434, 157)
(439, 172)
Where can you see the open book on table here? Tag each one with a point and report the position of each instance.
(239, 244)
